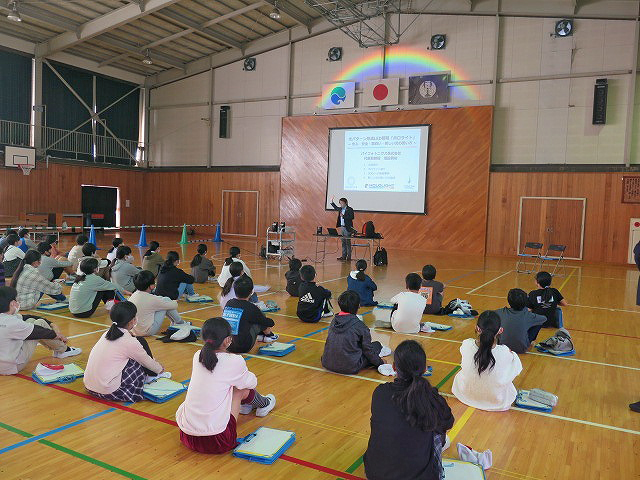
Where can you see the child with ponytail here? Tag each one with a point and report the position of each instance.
(360, 282)
(546, 299)
(152, 260)
(172, 281)
(201, 267)
(31, 285)
(485, 380)
(234, 256)
(89, 289)
(115, 243)
(221, 388)
(120, 364)
(411, 409)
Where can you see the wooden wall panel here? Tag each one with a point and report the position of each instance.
(457, 178)
(606, 234)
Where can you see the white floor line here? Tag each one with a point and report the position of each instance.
(490, 281)
(88, 333)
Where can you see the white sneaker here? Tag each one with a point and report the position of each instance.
(425, 328)
(328, 314)
(71, 352)
(178, 325)
(245, 409)
(447, 443)
(109, 305)
(153, 378)
(386, 369)
(262, 412)
(385, 351)
(213, 279)
(272, 337)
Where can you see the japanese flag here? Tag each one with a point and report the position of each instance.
(381, 92)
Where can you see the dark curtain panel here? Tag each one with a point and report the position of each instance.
(15, 93)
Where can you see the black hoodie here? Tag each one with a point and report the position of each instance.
(349, 348)
(312, 298)
(169, 278)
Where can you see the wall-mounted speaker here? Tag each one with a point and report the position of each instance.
(225, 121)
(600, 102)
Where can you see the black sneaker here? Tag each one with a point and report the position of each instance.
(635, 407)
(341, 259)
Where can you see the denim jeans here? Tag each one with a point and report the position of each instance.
(185, 288)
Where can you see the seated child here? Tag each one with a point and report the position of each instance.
(546, 299)
(408, 308)
(360, 282)
(120, 364)
(172, 281)
(349, 348)
(201, 267)
(520, 326)
(234, 256)
(53, 241)
(25, 242)
(20, 334)
(221, 388)
(123, 270)
(4, 242)
(253, 324)
(485, 380)
(431, 290)
(408, 408)
(75, 254)
(51, 267)
(115, 243)
(151, 259)
(89, 290)
(228, 292)
(1, 269)
(31, 285)
(314, 299)
(293, 277)
(89, 250)
(12, 255)
(151, 308)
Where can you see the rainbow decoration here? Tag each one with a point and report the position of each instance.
(407, 61)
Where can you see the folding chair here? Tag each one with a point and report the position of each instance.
(531, 250)
(558, 250)
(366, 245)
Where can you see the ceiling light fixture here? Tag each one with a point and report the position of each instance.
(147, 58)
(14, 15)
(275, 13)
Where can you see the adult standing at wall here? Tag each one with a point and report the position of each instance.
(345, 225)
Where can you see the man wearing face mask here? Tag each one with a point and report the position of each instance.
(344, 224)
(123, 270)
(20, 334)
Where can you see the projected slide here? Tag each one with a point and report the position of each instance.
(380, 169)
(382, 160)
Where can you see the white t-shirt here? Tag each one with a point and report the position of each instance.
(406, 319)
(12, 253)
(207, 407)
(13, 332)
(225, 275)
(494, 389)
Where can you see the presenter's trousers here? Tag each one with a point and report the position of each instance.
(346, 242)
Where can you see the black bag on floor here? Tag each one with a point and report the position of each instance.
(380, 257)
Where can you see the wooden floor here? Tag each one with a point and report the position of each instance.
(61, 432)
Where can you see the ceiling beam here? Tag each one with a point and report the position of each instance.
(43, 17)
(216, 36)
(135, 50)
(100, 25)
(292, 11)
(188, 31)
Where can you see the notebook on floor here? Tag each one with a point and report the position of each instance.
(46, 373)
(385, 305)
(459, 470)
(439, 326)
(265, 445)
(53, 306)
(277, 349)
(163, 389)
(523, 401)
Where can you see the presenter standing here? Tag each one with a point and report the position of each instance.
(345, 224)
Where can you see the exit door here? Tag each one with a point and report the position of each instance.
(553, 220)
(101, 204)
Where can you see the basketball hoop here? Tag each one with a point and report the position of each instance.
(26, 169)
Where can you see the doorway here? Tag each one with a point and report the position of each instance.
(240, 212)
(100, 205)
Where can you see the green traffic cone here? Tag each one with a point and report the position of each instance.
(183, 240)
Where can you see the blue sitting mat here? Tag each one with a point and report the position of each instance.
(523, 401)
(200, 299)
(555, 352)
(271, 307)
(460, 316)
(277, 349)
(459, 470)
(162, 390)
(429, 371)
(67, 375)
(388, 305)
(265, 445)
(174, 328)
(53, 306)
(69, 282)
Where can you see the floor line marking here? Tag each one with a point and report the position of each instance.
(490, 281)
(88, 333)
(455, 430)
(566, 280)
(448, 376)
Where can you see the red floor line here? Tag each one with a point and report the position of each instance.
(604, 333)
(288, 458)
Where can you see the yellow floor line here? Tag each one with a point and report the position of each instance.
(455, 430)
(324, 426)
(566, 280)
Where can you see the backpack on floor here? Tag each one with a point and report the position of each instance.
(380, 257)
(558, 344)
(457, 306)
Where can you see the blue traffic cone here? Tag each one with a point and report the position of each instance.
(143, 237)
(92, 237)
(217, 237)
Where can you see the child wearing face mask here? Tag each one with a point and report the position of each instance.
(123, 270)
(120, 364)
(20, 334)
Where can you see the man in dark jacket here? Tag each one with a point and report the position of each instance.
(344, 224)
(349, 348)
(314, 299)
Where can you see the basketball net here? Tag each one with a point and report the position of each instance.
(26, 169)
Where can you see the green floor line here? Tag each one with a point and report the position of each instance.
(448, 376)
(74, 453)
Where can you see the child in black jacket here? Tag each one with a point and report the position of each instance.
(293, 277)
(314, 299)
